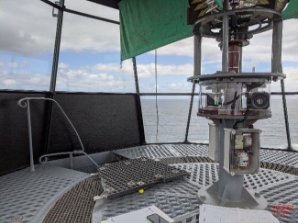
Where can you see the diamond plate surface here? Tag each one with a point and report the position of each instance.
(24, 193)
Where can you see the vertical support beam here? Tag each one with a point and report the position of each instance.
(53, 76)
(30, 136)
(276, 67)
(57, 49)
(135, 71)
(240, 60)
(138, 102)
(225, 44)
(197, 72)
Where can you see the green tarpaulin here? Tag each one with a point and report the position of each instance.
(149, 24)
(291, 12)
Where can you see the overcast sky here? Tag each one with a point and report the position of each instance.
(90, 53)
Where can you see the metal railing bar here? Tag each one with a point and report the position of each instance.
(79, 13)
(25, 103)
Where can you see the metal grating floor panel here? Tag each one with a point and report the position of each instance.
(174, 198)
(129, 176)
(77, 204)
(179, 199)
(163, 151)
(287, 158)
(23, 193)
(182, 150)
(204, 174)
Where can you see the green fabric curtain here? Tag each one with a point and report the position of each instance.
(146, 25)
(150, 24)
(291, 12)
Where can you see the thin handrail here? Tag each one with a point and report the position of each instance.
(25, 103)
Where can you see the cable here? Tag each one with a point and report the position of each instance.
(156, 102)
(242, 120)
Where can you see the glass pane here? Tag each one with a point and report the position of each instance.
(289, 56)
(273, 129)
(292, 104)
(174, 66)
(90, 58)
(26, 46)
(92, 9)
(172, 118)
(198, 128)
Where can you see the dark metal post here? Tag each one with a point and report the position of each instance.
(57, 49)
(30, 136)
(135, 71)
(138, 101)
(276, 67)
(225, 44)
(197, 72)
(54, 75)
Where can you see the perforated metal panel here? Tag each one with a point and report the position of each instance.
(204, 174)
(23, 193)
(129, 176)
(181, 195)
(287, 158)
(174, 198)
(163, 151)
(183, 150)
(77, 204)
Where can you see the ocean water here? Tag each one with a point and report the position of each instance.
(173, 119)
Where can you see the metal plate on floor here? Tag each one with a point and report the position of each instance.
(129, 176)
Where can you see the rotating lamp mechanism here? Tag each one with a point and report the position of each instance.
(232, 99)
(200, 8)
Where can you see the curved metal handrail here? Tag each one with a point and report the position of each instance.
(25, 103)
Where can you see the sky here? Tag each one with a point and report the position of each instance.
(90, 53)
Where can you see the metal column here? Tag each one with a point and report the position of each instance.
(54, 74)
(30, 136)
(138, 101)
(135, 71)
(276, 67)
(225, 44)
(57, 49)
(197, 72)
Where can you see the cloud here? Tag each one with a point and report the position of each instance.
(82, 80)
(24, 80)
(9, 82)
(2, 64)
(33, 31)
(63, 66)
(13, 65)
(144, 70)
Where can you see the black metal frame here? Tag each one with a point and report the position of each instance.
(52, 89)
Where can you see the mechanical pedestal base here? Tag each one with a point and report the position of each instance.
(249, 199)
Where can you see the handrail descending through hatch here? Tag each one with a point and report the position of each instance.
(25, 103)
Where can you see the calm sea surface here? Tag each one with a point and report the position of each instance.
(173, 118)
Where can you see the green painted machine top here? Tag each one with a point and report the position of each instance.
(146, 25)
